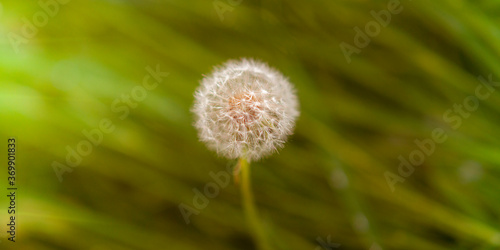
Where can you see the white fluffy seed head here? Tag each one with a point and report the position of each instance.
(245, 109)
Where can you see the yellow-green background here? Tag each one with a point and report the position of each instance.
(356, 119)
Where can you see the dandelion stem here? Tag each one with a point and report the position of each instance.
(249, 205)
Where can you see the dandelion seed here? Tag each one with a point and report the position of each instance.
(245, 109)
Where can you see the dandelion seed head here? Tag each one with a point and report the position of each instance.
(245, 109)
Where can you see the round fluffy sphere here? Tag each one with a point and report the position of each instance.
(245, 109)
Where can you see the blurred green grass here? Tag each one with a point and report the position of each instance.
(356, 120)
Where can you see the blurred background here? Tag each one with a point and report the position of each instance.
(372, 77)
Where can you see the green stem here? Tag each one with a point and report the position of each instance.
(249, 205)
